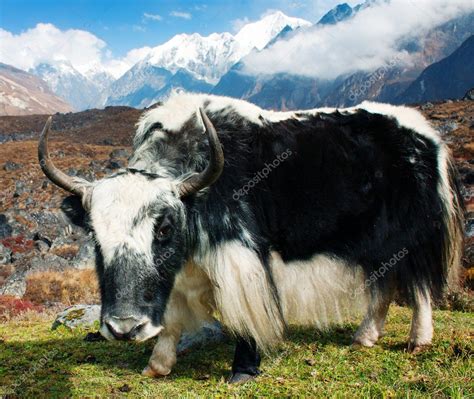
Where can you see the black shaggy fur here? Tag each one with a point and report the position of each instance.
(355, 186)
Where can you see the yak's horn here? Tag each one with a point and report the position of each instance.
(52, 173)
(213, 170)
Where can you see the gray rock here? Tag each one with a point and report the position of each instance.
(15, 285)
(5, 255)
(469, 96)
(119, 153)
(11, 166)
(49, 262)
(42, 246)
(115, 164)
(5, 228)
(209, 333)
(20, 188)
(72, 171)
(85, 258)
(77, 316)
(448, 127)
(96, 166)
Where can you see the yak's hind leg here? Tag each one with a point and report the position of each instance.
(371, 328)
(421, 332)
(246, 361)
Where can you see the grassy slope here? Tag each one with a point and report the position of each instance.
(309, 364)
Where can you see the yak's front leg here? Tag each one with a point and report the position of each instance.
(163, 357)
(246, 361)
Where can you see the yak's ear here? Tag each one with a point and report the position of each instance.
(74, 210)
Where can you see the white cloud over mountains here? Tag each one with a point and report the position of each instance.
(363, 43)
(45, 43)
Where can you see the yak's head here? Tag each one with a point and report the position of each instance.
(139, 224)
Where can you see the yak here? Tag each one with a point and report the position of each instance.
(265, 219)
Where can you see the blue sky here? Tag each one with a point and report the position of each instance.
(127, 24)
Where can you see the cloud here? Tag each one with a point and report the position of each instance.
(117, 67)
(46, 43)
(179, 14)
(153, 17)
(138, 28)
(239, 23)
(363, 43)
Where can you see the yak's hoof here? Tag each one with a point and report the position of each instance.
(358, 343)
(414, 349)
(240, 378)
(149, 372)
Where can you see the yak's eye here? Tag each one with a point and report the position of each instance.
(164, 231)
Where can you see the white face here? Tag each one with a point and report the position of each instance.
(126, 212)
(116, 206)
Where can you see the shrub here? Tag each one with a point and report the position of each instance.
(11, 307)
(68, 287)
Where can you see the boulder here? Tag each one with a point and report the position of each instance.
(209, 333)
(20, 188)
(11, 166)
(115, 164)
(85, 258)
(5, 255)
(15, 285)
(119, 153)
(6, 229)
(448, 127)
(469, 96)
(77, 316)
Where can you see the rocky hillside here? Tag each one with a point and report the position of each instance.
(22, 93)
(36, 234)
(448, 78)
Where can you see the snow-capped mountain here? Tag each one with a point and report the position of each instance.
(209, 57)
(68, 83)
(204, 59)
(259, 34)
(339, 13)
(22, 93)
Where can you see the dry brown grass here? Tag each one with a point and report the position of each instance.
(5, 272)
(68, 287)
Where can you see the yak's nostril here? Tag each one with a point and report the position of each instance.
(116, 334)
(136, 330)
(124, 329)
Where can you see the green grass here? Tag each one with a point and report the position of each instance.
(308, 364)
